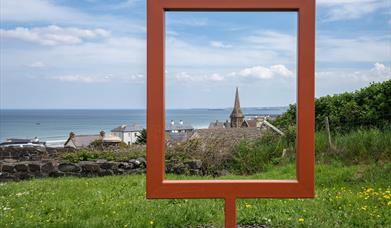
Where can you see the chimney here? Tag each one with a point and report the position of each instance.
(172, 122)
(181, 122)
(102, 134)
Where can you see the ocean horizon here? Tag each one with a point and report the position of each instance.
(53, 125)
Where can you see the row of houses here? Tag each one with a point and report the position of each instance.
(123, 134)
(180, 131)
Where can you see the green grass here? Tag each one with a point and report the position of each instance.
(346, 196)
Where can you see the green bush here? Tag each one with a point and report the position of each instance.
(110, 154)
(368, 107)
(142, 137)
(251, 156)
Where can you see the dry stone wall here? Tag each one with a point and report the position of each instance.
(14, 170)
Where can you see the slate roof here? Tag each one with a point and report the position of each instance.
(178, 126)
(126, 128)
(219, 125)
(79, 141)
(250, 123)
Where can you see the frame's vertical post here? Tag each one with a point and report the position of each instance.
(230, 212)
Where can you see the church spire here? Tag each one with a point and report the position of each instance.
(237, 115)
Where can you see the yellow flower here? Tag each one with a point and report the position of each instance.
(386, 196)
(151, 222)
(389, 203)
(301, 219)
(248, 205)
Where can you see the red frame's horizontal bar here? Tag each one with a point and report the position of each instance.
(228, 5)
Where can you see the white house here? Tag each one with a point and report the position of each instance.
(128, 134)
(179, 127)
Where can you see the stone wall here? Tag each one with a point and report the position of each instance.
(30, 154)
(13, 170)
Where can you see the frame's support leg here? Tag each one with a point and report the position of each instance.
(230, 212)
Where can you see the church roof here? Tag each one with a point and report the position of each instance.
(237, 112)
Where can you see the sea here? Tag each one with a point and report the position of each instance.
(54, 126)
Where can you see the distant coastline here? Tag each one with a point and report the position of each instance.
(55, 124)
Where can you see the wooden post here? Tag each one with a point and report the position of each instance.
(328, 132)
(230, 212)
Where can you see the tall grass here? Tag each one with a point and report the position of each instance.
(359, 146)
(363, 145)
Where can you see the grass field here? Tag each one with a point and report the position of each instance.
(345, 197)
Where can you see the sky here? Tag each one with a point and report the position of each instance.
(91, 54)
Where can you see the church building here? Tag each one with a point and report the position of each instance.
(237, 115)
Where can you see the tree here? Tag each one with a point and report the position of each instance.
(142, 137)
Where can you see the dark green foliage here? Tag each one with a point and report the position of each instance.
(252, 156)
(110, 154)
(367, 107)
(142, 137)
(97, 143)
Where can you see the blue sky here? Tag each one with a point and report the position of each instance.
(91, 54)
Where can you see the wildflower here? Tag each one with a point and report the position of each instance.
(369, 190)
(248, 205)
(389, 203)
(151, 222)
(386, 196)
(301, 219)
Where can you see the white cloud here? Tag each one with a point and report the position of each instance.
(185, 76)
(196, 22)
(37, 10)
(38, 64)
(216, 77)
(81, 78)
(124, 4)
(334, 81)
(136, 78)
(219, 44)
(53, 35)
(367, 48)
(181, 53)
(379, 72)
(49, 12)
(351, 9)
(261, 72)
(272, 40)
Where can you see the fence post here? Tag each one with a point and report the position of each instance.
(328, 132)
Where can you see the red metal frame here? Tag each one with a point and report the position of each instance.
(230, 190)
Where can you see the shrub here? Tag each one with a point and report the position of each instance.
(110, 154)
(251, 156)
(365, 108)
(142, 137)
